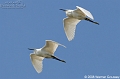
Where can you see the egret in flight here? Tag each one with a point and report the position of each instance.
(73, 18)
(46, 51)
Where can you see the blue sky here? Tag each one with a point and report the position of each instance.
(95, 49)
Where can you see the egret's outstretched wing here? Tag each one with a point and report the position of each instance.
(86, 12)
(70, 26)
(37, 62)
(51, 46)
(80, 13)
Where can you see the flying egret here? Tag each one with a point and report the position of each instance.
(46, 51)
(73, 18)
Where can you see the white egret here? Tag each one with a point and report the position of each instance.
(45, 52)
(73, 18)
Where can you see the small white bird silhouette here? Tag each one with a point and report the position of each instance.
(45, 52)
(73, 18)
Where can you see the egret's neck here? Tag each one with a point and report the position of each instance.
(69, 13)
(37, 51)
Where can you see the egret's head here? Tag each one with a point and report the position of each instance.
(63, 9)
(34, 50)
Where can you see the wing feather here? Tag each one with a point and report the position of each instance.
(70, 27)
(51, 46)
(37, 62)
(86, 12)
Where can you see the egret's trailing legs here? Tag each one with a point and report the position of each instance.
(87, 19)
(54, 57)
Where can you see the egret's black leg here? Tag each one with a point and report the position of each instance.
(58, 59)
(87, 19)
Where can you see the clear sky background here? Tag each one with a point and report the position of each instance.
(95, 49)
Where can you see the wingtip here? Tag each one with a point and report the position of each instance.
(63, 45)
(70, 39)
(39, 72)
(57, 43)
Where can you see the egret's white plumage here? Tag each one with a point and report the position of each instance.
(70, 27)
(37, 62)
(46, 51)
(73, 18)
(87, 13)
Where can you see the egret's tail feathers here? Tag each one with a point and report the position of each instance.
(87, 19)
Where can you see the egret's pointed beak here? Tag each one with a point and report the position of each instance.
(63, 9)
(31, 49)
